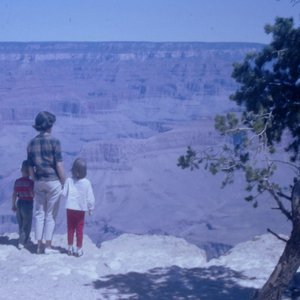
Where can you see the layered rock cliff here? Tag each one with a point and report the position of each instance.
(82, 78)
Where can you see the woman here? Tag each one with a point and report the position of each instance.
(46, 169)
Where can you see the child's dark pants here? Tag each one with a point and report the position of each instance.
(24, 217)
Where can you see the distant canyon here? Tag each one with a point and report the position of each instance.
(130, 109)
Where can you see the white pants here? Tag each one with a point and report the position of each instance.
(47, 194)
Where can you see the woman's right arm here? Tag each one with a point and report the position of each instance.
(60, 172)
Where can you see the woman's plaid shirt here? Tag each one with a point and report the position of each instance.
(43, 152)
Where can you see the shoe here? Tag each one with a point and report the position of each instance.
(79, 252)
(20, 246)
(28, 242)
(49, 250)
(70, 250)
(39, 250)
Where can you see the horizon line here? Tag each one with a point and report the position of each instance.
(121, 41)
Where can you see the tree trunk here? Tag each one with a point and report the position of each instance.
(284, 271)
(289, 261)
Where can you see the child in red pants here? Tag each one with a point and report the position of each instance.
(79, 199)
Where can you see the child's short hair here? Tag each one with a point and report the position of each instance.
(79, 168)
(25, 166)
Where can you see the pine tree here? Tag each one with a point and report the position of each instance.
(269, 101)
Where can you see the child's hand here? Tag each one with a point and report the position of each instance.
(14, 208)
(90, 212)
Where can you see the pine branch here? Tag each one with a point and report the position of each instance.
(293, 166)
(277, 235)
(294, 2)
(281, 207)
(280, 194)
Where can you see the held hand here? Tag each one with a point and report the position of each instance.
(90, 212)
(14, 208)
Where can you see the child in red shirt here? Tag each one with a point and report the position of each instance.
(22, 204)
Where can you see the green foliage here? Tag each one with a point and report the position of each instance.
(226, 123)
(189, 160)
(269, 97)
(269, 84)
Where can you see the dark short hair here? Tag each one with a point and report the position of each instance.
(25, 166)
(44, 121)
(79, 168)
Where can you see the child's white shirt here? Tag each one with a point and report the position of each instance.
(79, 194)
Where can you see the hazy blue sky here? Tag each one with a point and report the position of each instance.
(141, 20)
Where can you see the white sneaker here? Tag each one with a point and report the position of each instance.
(49, 250)
(79, 252)
(70, 250)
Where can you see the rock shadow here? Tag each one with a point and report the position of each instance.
(30, 246)
(5, 240)
(214, 283)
